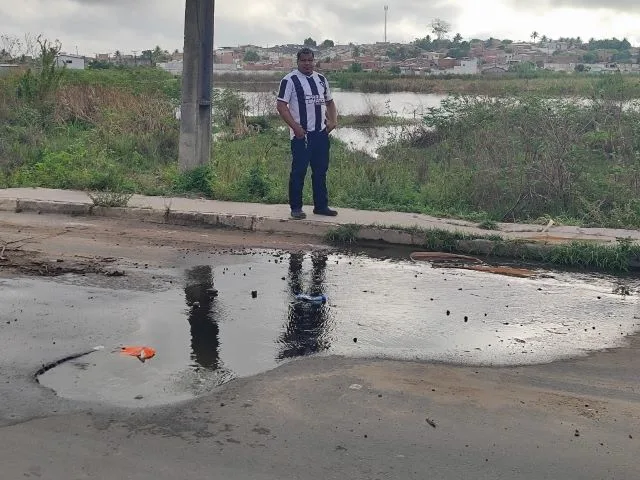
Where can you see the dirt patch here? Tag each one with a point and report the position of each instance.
(559, 240)
(34, 263)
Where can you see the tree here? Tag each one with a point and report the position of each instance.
(98, 65)
(524, 69)
(327, 43)
(460, 51)
(251, 56)
(424, 43)
(159, 55)
(590, 57)
(355, 67)
(623, 56)
(457, 39)
(16, 49)
(356, 51)
(310, 42)
(40, 87)
(544, 38)
(534, 35)
(440, 28)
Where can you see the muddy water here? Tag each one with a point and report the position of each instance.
(376, 308)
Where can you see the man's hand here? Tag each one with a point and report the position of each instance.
(331, 116)
(299, 132)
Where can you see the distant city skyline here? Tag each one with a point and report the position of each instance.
(104, 26)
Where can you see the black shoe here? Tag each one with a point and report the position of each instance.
(325, 211)
(298, 215)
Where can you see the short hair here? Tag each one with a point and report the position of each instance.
(305, 51)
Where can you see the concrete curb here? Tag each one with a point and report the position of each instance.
(252, 223)
(169, 217)
(529, 249)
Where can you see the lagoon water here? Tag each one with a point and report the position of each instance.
(405, 105)
(402, 104)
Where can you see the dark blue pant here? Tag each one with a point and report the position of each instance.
(313, 151)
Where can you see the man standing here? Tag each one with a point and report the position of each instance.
(306, 105)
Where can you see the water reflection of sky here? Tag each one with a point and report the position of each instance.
(402, 104)
(370, 139)
(395, 309)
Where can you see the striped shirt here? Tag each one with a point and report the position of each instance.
(307, 97)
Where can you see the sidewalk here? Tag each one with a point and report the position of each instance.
(391, 227)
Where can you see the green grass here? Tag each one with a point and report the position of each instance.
(110, 199)
(482, 159)
(488, 225)
(343, 235)
(578, 255)
(541, 83)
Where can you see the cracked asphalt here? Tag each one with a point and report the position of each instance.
(317, 417)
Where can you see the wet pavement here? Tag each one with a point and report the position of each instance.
(234, 314)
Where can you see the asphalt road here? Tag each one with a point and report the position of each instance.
(324, 417)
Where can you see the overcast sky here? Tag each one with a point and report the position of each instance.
(104, 26)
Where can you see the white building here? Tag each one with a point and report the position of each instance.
(468, 66)
(174, 67)
(560, 67)
(74, 62)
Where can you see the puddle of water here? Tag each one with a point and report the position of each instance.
(376, 308)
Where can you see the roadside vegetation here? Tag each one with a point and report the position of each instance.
(480, 158)
(525, 82)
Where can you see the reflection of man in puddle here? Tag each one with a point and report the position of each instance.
(307, 324)
(202, 317)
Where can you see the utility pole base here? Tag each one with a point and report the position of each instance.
(197, 83)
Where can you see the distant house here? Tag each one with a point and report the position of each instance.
(468, 66)
(448, 63)
(227, 56)
(9, 69)
(73, 62)
(559, 67)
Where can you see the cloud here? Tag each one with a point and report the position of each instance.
(126, 25)
(622, 6)
(107, 25)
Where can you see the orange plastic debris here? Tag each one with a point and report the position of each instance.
(141, 353)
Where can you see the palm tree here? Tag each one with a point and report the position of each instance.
(534, 35)
(543, 38)
(457, 39)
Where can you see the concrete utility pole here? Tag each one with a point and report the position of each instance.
(386, 10)
(197, 83)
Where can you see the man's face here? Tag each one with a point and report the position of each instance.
(305, 63)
